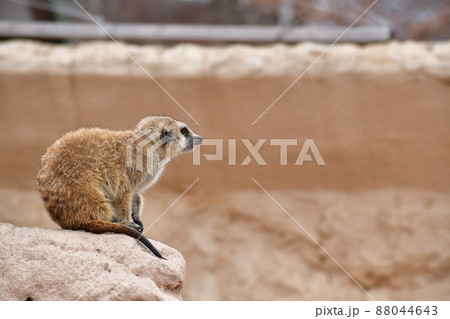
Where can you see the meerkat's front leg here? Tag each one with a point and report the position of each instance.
(136, 207)
(122, 209)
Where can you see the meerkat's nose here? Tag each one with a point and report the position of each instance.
(198, 140)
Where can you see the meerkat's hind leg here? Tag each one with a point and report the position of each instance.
(133, 225)
(136, 207)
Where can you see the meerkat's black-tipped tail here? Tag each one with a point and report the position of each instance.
(99, 226)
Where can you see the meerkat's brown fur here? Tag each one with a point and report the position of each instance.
(87, 184)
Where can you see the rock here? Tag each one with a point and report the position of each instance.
(54, 264)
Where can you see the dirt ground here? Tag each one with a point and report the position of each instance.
(380, 206)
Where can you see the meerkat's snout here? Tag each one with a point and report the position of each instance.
(191, 139)
(198, 140)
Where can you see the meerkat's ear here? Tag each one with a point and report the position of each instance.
(167, 132)
(167, 135)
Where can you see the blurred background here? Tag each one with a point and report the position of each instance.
(376, 104)
(406, 19)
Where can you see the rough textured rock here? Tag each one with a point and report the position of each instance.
(54, 264)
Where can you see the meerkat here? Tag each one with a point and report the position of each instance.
(92, 179)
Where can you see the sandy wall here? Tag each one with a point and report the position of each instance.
(379, 115)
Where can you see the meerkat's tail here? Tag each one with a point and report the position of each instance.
(99, 226)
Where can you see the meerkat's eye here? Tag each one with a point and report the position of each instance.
(184, 131)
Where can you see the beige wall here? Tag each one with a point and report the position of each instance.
(372, 130)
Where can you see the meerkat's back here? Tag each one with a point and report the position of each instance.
(75, 172)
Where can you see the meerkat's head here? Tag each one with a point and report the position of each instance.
(174, 137)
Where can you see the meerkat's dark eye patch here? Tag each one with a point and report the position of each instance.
(184, 131)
